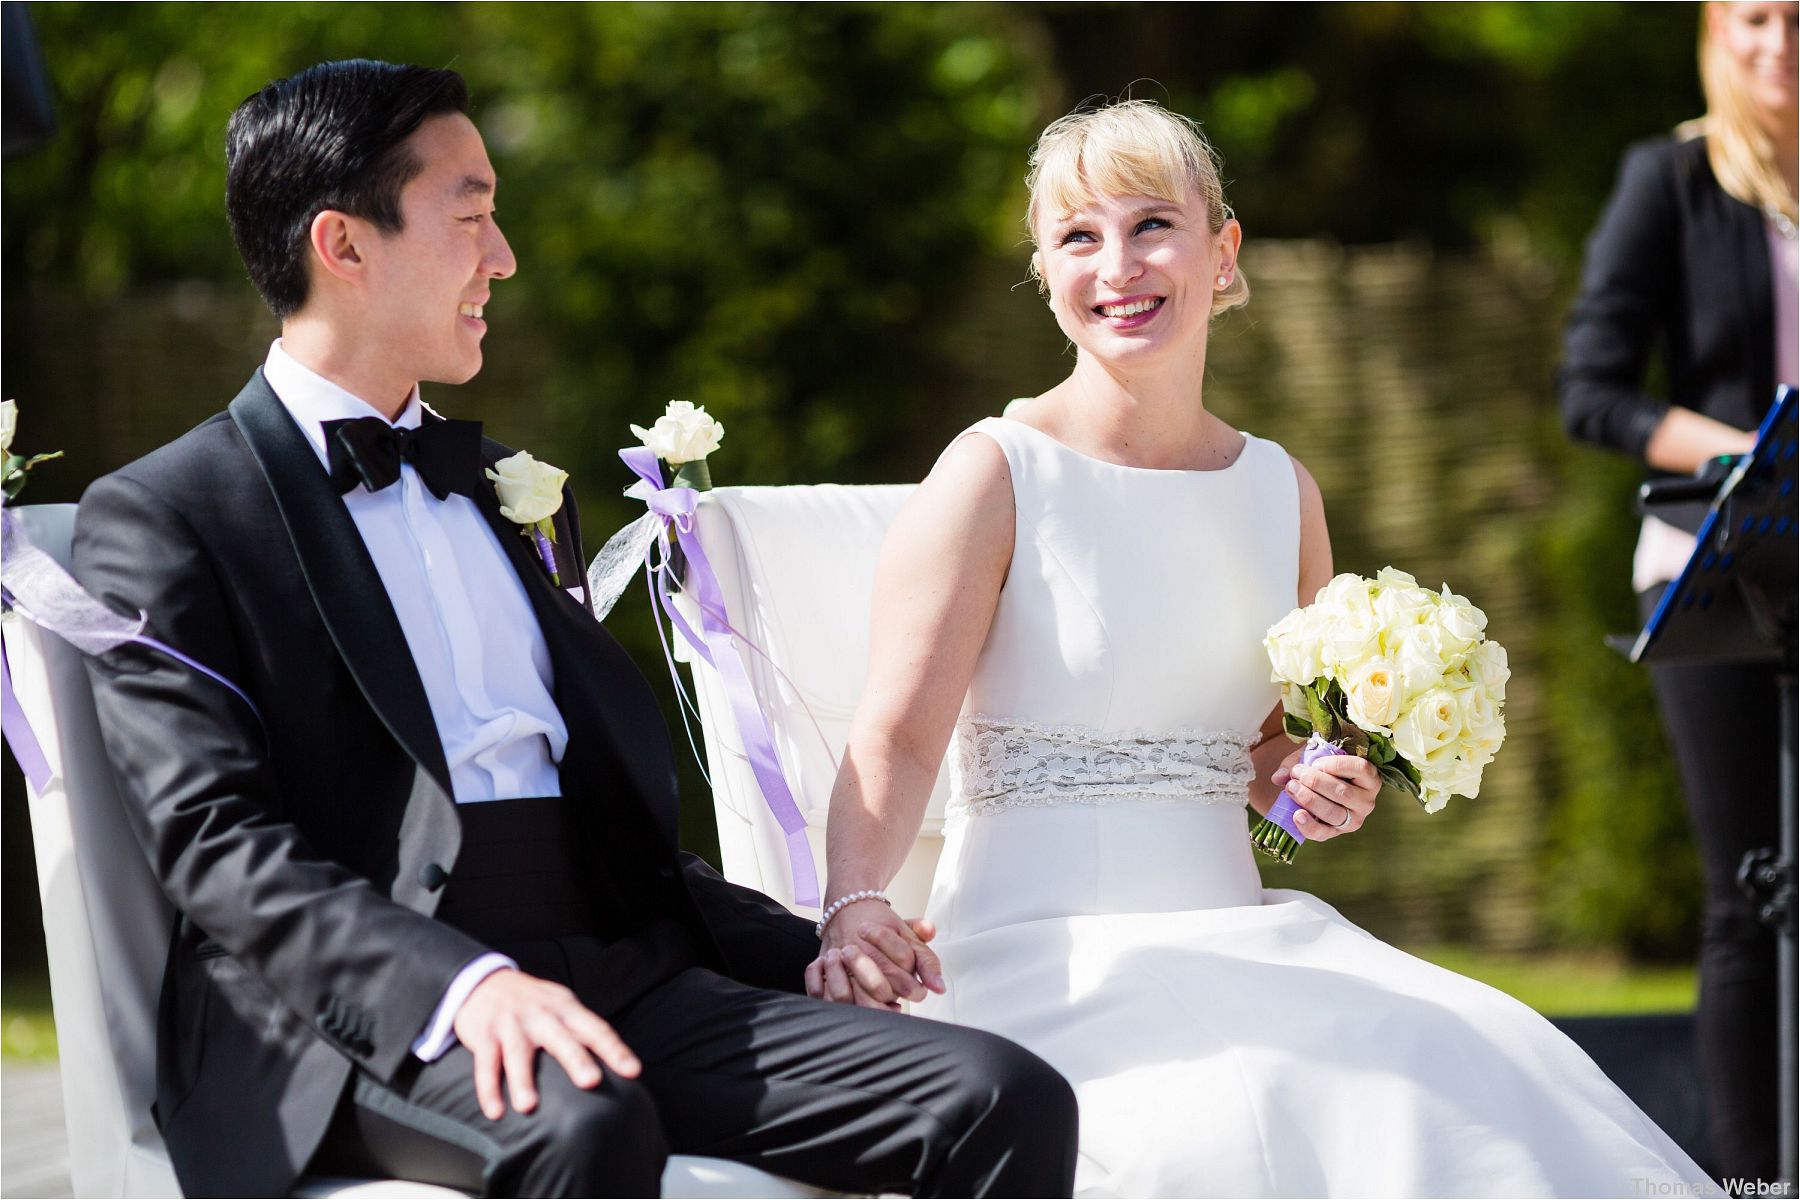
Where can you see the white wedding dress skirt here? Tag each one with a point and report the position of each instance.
(1099, 903)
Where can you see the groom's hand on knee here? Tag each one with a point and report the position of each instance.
(510, 1016)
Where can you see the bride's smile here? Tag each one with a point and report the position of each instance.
(1130, 313)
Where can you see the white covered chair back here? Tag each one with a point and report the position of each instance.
(107, 926)
(796, 566)
(106, 922)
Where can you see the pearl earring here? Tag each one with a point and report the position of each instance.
(1224, 279)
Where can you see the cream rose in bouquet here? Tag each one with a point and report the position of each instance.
(1395, 673)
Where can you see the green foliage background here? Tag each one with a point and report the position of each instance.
(806, 218)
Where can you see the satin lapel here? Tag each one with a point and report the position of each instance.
(341, 576)
(593, 674)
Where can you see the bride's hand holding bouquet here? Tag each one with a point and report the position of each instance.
(1332, 794)
(1393, 674)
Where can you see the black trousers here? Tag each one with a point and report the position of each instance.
(847, 1099)
(1723, 721)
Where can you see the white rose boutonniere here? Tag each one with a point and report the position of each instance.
(682, 437)
(530, 493)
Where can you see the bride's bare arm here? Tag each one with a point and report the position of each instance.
(1273, 750)
(936, 587)
(1336, 794)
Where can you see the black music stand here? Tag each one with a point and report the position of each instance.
(1736, 601)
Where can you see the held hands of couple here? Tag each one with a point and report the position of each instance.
(510, 1016)
(1336, 794)
(870, 956)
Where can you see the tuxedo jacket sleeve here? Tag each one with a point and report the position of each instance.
(194, 768)
(1678, 265)
(764, 944)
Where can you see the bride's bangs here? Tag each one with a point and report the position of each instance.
(1131, 149)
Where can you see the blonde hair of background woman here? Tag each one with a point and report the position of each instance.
(1131, 148)
(1740, 149)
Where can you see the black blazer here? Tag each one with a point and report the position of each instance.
(1677, 263)
(306, 852)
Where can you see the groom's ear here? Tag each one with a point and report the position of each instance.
(335, 238)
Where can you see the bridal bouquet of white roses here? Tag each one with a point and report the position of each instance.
(1396, 673)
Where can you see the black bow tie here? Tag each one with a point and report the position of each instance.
(368, 450)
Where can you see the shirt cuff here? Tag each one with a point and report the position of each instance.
(440, 1031)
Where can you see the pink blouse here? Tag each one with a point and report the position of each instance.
(1783, 256)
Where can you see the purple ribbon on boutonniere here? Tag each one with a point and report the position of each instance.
(716, 643)
(546, 554)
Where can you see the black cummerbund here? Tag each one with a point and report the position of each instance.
(528, 883)
(517, 877)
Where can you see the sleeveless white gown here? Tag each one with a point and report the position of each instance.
(1098, 900)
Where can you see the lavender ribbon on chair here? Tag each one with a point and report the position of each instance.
(38, 589)
(19, 734)
(716, 642)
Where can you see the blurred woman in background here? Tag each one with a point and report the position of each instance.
(1695, 256)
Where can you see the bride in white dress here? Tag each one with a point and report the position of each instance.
(1074, 601)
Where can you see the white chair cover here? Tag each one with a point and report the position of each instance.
(106, 927)
(106, 923)
(796, 566)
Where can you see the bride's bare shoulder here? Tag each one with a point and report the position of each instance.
(963, 509)
(1310, 498)
(1315, 535)
(974, 456)
(971, 478)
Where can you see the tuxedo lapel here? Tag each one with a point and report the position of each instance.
(341, 576)
(594, 677)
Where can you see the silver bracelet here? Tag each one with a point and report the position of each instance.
(843, 902)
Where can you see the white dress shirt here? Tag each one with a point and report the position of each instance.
(468, 623)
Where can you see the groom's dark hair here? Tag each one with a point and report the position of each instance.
(331, 137)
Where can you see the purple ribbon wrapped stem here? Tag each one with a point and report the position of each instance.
(546, 555)
(1281, 813)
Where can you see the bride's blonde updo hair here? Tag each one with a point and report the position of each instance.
(1129, 148)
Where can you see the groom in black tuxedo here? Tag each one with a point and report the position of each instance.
(433, 919)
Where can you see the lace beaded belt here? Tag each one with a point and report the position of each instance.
(996, 763)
